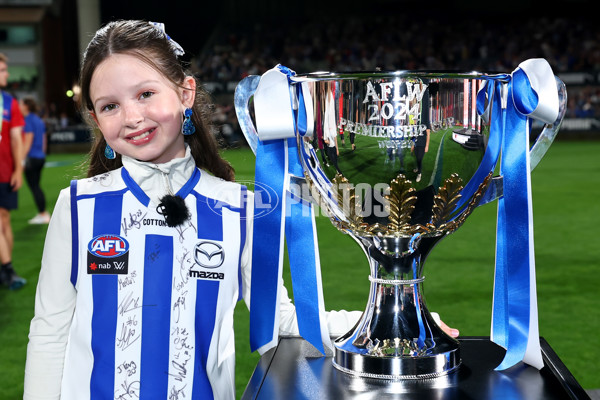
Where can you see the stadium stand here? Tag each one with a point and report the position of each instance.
(571, 46)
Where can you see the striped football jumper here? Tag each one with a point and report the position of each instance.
(154, 309)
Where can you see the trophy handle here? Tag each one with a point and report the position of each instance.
(243, 92)
(545, 139)
(539, 148)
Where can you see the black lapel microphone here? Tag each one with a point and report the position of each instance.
(173, 208)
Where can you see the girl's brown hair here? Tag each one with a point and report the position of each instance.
(146, 42)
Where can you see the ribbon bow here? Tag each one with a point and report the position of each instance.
(277, 160)
(177, 49)
(528, 93)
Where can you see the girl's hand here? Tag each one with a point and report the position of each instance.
(450, 331)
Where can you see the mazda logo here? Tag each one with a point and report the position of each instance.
(209, 255)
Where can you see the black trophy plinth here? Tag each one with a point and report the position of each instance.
(293, 370)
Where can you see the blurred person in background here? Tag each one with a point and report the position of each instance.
(11, 170)
(330, 131)
(34, 149)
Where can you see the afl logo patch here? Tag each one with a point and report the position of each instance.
(108, 246)
(209, 255)
(108, 254)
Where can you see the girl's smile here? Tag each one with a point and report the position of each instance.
(142, 137)
(138, 110)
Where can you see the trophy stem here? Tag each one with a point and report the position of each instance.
(396, 337)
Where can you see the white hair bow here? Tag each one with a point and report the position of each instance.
(177, 49)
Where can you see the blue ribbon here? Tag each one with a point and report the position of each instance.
(303, 258)
(514, 258)
(302, 244)
(276, 160)
(513, 315)
(509, 132)
(267, 242)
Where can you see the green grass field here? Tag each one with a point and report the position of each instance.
(566, 190)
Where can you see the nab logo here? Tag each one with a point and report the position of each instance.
(108, 246)
(108, 254)
(209, 255)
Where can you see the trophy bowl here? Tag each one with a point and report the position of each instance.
(398, 160)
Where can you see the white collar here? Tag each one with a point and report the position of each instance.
(158, 180)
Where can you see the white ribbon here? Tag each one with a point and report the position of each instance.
(274, 118)
(177, 49)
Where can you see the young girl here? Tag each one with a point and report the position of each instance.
(145, 259)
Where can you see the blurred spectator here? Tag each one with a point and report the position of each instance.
(64, 120)
(226, 122)
(34, 146)
(50, 118)
(11, 170)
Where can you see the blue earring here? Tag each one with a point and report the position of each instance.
(109, 152)
(188, 127)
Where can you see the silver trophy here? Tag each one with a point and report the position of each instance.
(395, 160)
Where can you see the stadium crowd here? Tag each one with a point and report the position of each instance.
(400, 42)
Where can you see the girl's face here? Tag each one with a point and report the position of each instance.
(138, 110)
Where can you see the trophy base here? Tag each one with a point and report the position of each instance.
(396, 368)
(396, 337)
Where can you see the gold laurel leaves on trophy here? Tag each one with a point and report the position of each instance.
(400, 204)
(344, 193)
(346, 196)
(458, 221)
(444, 203)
